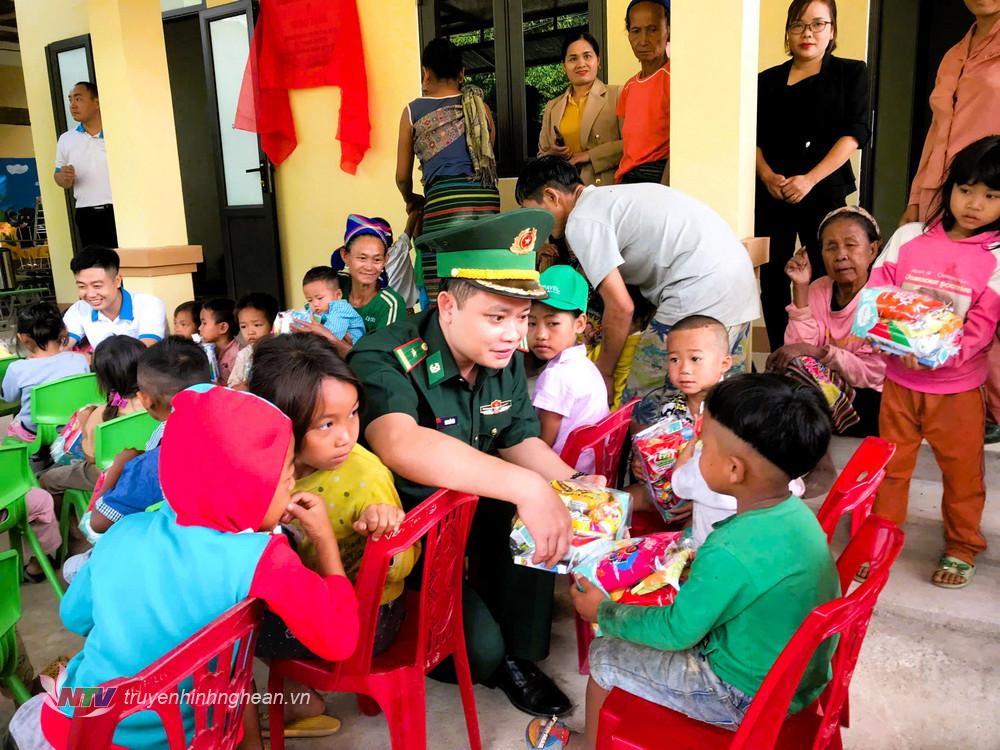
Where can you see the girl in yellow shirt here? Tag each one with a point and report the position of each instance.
(303, 376)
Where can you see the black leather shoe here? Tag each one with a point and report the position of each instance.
(530, 689)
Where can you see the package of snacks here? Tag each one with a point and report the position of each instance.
(645, 571)
(596, 514)
(901, 321)
(658, 447)
(283, 323)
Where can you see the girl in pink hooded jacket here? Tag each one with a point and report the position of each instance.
(956, 254)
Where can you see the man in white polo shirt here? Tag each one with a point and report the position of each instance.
(106, 308)
(682, 256)
(82, 165)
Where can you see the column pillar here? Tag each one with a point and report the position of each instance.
(713, 113)
(130, 61)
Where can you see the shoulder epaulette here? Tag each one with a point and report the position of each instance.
(411, 354)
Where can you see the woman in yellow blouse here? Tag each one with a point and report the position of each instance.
(580, 125)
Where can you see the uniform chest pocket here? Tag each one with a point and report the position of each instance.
(493, 419)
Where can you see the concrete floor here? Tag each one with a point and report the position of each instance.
(926, 678)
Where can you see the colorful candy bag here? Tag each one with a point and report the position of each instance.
(596, 513)
(658, 447)
(901, 321)
(645, 571)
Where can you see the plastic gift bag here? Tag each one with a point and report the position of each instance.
(902, 321)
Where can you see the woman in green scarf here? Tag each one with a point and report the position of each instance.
(450, 130)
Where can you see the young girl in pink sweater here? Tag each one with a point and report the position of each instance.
(821, 314)
(954, 255)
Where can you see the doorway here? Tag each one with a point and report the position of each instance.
(226, 181)
(912, 37)
(189, 92)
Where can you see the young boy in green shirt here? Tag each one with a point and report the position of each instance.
(753, 582)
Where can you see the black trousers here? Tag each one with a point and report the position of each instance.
(96, 226)
(783, 222)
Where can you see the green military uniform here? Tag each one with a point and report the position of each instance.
(408, 368)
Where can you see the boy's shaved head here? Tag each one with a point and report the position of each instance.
(703, 322)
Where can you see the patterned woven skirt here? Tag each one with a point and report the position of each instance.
(449, 200)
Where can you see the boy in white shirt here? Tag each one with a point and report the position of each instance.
(570, 391)
(697, 358)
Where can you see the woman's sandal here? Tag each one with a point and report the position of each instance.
(40, 576)
(546, 734)
(954, 566)
(311, 726)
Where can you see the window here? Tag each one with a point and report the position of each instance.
(511, 50)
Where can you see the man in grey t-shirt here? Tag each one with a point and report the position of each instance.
(681, 254)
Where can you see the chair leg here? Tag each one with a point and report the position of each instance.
(406, 714)
(464, 674)
(275, 711)
(16, 688)
(64, 529)
(14, 538)
(43, 560)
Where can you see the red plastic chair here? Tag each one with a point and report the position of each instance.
(855, 488)
(432, 631)
(606, 439)
(630, 723)
(220, 659)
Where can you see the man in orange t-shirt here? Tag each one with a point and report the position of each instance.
(644, 103)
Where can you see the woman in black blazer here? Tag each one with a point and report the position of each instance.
(812, 115)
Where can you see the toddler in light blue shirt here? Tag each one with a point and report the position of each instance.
(325, 301)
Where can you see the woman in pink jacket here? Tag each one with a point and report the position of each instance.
(819, 348)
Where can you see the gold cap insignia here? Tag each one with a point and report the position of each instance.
(524, 243)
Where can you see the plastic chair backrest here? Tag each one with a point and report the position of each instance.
(10, 609)
(442, 521)
(54, 403)
(6, 362)
(220, 659)
(10, 594)
(15, 481)
(855, 488)
(130, 431)
(877, 543)
(606, 439)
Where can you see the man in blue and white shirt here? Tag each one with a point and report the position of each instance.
(106, 308)
(82, 166)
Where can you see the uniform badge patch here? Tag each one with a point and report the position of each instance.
(435, 369)
(495, 407)
(442, 422)
(411, 354)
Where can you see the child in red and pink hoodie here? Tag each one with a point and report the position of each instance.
(956, 254)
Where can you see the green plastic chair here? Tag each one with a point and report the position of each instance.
(52, 405)
(16, 479)
(10, 613)
(8, 408)
(110, 439)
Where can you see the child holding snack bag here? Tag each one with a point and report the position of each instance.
(570, 391)
(953, 256)
(697, 358)
(752, 583)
